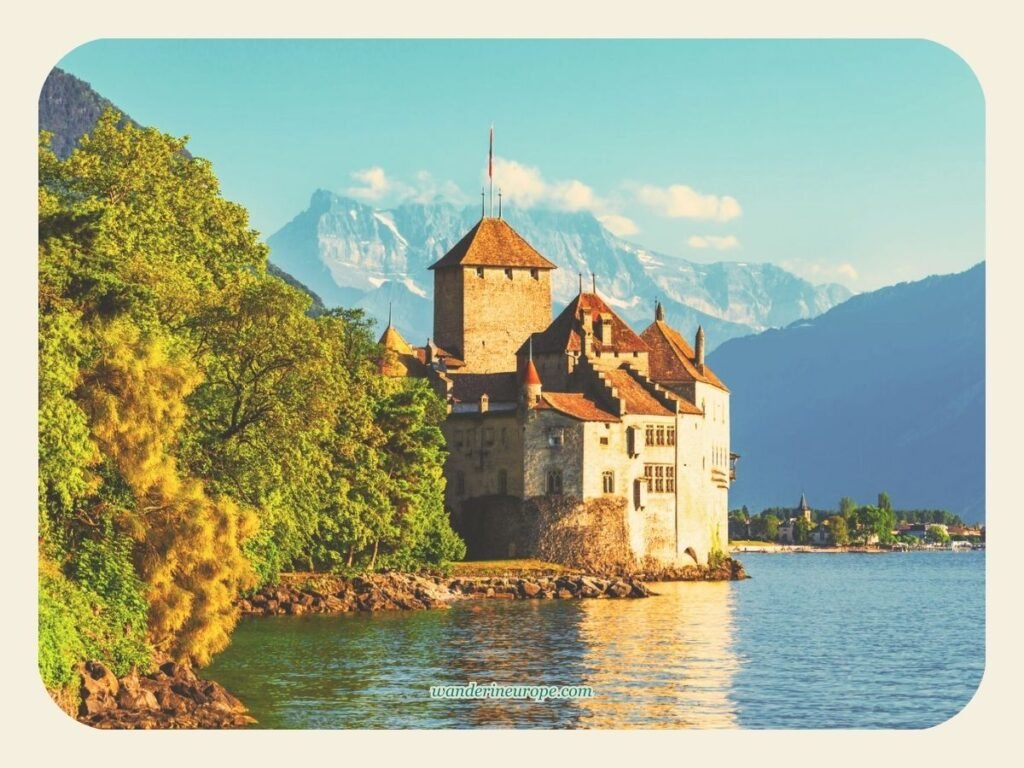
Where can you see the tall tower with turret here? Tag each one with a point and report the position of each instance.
(491, 291)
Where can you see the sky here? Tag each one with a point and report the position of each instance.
(857, 162)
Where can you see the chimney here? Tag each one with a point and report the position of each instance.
(699, 348)
(428, 353)
(586, 332)
(484, 402)
(604, 328)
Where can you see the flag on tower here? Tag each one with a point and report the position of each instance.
(490, 156)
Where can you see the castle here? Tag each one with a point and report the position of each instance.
(580, 408)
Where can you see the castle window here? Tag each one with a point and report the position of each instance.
(556, 438)
(489, 436)
(503, 481)
(649, 434)
(459, 438)
(460, 483)
(508, 273)
(504, 436)
(604, 441)
(554, 483)
(659, 434)
(479, 271)
(535, 274)
(670, 435)
(661, 478)
(608, 482)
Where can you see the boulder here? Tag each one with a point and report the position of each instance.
(530, 589)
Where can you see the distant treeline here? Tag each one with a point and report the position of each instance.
(199, 430)
(850, 523)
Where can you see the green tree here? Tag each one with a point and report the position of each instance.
(801, 530)
(840, 533)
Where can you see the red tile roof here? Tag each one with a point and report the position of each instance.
(634, 395)
(564, 332)
(578, 406)
(531, 376)
(492, 243)
(672, 359)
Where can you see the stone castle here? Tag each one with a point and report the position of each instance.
(580, 410)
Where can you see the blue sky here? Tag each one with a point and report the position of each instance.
(860, 162)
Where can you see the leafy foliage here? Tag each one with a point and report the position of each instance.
(200, 429)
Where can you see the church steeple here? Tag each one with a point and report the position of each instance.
(659, 312)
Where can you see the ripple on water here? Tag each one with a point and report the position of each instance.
(850, 641)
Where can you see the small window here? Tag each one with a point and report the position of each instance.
(556, 439)
(460, 483)
(508, 273)
(535, 274)
(608, 482)
(604, 441)
(503, 481)
(649, 434)
(489, 436)
(670, 435)
(554, 484)
(504, 436)
(479, 271)
(459, 438)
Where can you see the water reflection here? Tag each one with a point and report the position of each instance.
(662, 662)
(666, 662)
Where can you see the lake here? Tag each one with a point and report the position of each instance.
(810, 641)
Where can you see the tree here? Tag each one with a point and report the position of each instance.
(936, 534)
(840, 532)
(847, 508)
(801, 530)
(884, 502)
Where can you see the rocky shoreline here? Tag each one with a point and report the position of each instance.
(171, 697)
(299, 594)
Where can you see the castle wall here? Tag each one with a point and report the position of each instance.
(540, 456)
(496, 313)
(448, 309)
(703, 461)
(480, 448)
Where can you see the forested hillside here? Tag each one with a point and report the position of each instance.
(199, 430)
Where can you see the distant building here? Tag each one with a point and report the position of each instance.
(580, 408)
(787, 528)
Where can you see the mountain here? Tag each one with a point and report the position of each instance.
(69, 109)
(349, 253)
(883, 392)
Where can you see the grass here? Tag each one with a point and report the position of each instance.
(506, 567)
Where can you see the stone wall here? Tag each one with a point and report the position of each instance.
(448, 309)
(498, 313)
(490, 444)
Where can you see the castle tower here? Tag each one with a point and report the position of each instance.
(699, 347)
(491, 291)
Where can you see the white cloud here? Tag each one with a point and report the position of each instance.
(376, 184)
(620, 226)
(525, 186)
(818, 272)
(719, 243)
(679, 201)
(378, 187)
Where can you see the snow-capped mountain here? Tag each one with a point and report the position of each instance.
(354, 255)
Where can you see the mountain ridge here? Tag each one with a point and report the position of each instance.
(883, 392)
(346, 250)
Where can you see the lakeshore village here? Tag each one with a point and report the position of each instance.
(573, 439)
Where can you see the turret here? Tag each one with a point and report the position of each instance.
(531, 384)
(699, 348)
(659, 312)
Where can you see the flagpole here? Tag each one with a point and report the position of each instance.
(490, 169)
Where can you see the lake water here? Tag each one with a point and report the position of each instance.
(811, 641)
